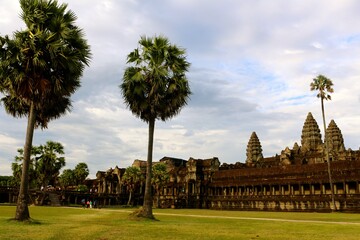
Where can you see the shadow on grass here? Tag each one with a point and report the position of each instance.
(25, 222)
(139, 215)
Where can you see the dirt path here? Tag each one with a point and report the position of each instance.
(243, 218)
(260, 219)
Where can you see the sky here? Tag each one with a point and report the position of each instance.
(252, 62)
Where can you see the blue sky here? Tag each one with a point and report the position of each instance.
(251, 66)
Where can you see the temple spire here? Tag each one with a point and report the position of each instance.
(253, 150)
(335, 138)
(311, 136)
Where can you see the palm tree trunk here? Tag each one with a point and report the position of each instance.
(328, 158)
(129, 201)
(158, 198)
(22, 210)
(148, 198)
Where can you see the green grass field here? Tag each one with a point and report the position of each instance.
(106, 224)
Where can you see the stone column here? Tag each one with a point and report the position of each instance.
(289, 189)
(346, 188)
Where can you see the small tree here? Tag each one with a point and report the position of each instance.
(48, 162)
(324, 86)
(155, 87)
(159, 178)
(132, 178)
(17, 166)
(81, 172)
(67, 178)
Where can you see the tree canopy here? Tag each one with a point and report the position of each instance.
(81, 172)
(154, 85)
(74, 177)
(323, 85)
(42, 65)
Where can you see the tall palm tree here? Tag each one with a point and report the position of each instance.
(324, 86)
(40, 67)
(155, 87)
(131, 178)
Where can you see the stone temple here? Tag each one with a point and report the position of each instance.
(296, 179)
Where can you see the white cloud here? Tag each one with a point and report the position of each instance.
(317, 45)
(252, 63)
(293, 52)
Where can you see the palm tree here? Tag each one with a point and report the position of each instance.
(40, 67)
(48, 162)
(131, 178)
(48, 165)
(159, 178)
(324, 86)
(81, 171)
(155, 87)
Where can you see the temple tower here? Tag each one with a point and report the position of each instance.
(296, 147)
(335, 139)
(253, 151)
(311, 136)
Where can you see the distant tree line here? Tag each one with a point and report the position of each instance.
(7, 181)
(74, 177)
(45, 164)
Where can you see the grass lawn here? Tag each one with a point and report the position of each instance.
(106, 224)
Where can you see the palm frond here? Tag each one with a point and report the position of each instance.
(43, 64)
(156, 87)
(323, 85)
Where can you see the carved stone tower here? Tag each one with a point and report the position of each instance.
(335, 139)
(253, 151)
(311, 136)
